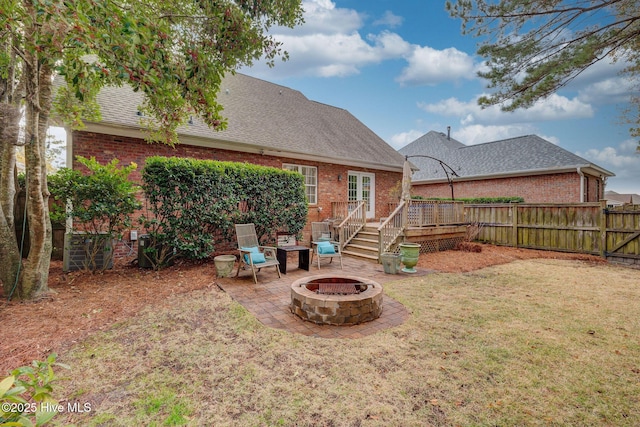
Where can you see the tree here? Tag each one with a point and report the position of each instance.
(176, 53)
(534, 48)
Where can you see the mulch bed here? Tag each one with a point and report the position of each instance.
(81, 303)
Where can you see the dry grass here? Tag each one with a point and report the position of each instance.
(539, 342)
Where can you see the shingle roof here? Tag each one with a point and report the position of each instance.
(623, 198)
(521, 155)
(272, 117)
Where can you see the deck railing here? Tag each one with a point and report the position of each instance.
(426, 213)
(423, 213)
(353, 222)
(392, 228)
(341, 210)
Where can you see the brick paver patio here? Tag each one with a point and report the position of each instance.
(269, 299)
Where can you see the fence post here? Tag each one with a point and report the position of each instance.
(603, 228)
(514, 223)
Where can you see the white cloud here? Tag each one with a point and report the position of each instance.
(329, 44)
(322, 16)
(623, 156)
(329, 55)
(609, 91)
(478, 134)
(555, 107)
(401, 139)
(622, 160)
(389, 19)
(428, 66)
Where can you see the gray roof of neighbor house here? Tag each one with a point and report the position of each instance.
(525, 155)
(268, 118)
(632, 198)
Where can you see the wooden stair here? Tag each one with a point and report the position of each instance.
(365, 244)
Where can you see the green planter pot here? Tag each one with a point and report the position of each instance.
(410, 253)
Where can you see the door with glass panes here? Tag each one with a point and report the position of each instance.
(362, 187)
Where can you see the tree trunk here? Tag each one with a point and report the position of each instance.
(9, 132)
(35, 274)
(9, 251)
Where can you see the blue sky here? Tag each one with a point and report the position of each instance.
(403, 68)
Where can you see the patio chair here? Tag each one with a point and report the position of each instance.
(322, 243)
(252, 254)
(321, 232)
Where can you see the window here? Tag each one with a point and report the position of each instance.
(310, 174)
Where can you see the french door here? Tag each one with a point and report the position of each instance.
(362, 187)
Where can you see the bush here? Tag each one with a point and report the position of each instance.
(479, 200)
(195, 203)
(25, 395)
(101, 203)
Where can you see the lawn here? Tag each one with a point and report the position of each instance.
(534, 342)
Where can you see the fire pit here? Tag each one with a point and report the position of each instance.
(331, 300)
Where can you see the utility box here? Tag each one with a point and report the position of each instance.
(87, 251)
(144, 259)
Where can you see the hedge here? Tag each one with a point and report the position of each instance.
(197, 202)
(478, 200)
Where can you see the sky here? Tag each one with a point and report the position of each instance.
(403, 68)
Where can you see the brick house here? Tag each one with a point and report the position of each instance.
(268, 125)
(526, 166)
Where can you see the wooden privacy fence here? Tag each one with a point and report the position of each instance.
(589, 228)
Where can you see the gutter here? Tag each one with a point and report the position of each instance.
(565, 169)
(581, 184)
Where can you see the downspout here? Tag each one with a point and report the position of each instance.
(581, 184)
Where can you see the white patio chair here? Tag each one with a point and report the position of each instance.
(252, 254)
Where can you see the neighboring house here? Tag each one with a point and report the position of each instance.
(269, 125)
(528, 167)
(617, 199)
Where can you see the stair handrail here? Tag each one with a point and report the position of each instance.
(392, 228)
(352, 224)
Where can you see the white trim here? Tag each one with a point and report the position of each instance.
(590, 169)
(299, 167)
(371, 212)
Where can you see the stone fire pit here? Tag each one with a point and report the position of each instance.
(336, 300)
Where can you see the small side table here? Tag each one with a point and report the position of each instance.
(303, 257)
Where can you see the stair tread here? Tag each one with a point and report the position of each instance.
(365, 240)
(361, 255)
(366, 248)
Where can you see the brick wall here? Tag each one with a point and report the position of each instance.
(552, 188)
(330, 189)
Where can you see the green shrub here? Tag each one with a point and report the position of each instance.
(101, 202)
(479, 200)
(195, 203)
(25, 395)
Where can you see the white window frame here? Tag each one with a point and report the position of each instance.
(310, 189)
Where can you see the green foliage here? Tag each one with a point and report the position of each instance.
(534, 48)
(101, 202)
(197, 202)
(174, 52)
(480, 200)
(26, 395)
